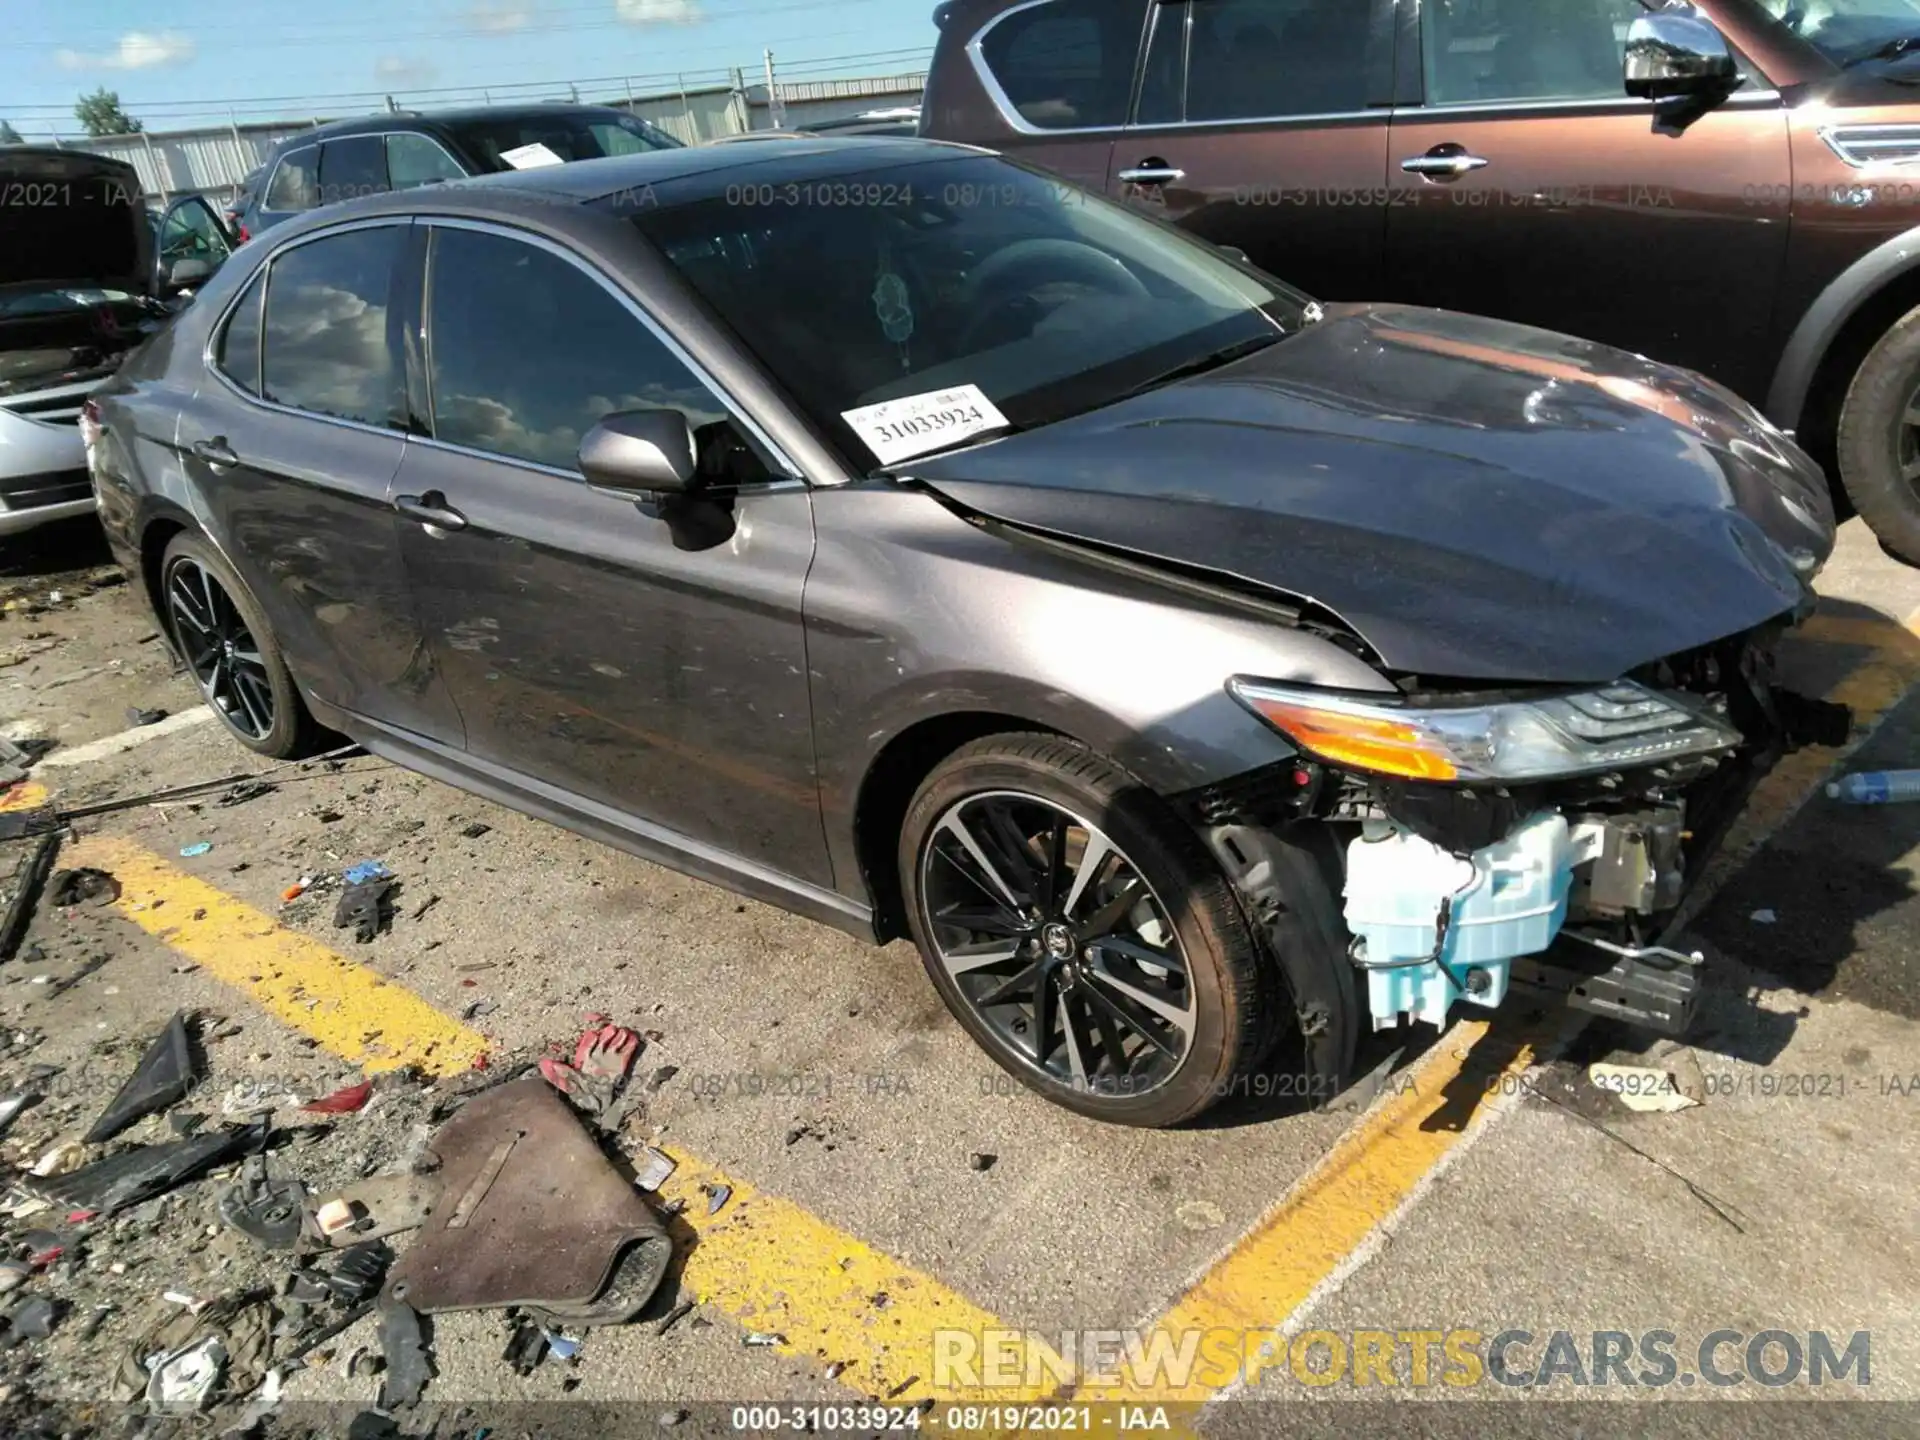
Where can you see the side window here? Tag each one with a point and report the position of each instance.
(352, 167)
(327, 345)
(238, 353)
(415, 160)
(191, 231)
(1067, 64)
(1252, 59)
(296, 181)
(527, 352)
(1540, 50)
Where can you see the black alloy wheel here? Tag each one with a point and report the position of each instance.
(1058, 943)
(221, 653)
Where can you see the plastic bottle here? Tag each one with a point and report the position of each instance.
(1876, 787)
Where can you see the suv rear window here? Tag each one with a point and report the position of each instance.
(296, 181)
(564, 136)
(1067, 64)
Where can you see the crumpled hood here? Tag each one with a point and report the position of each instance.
(1477, 500)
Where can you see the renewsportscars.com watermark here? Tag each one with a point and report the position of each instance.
(1162, 1361)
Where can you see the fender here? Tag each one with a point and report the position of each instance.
(1828, 316)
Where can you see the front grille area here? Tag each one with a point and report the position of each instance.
(30, 492)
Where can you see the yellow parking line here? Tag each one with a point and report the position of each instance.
(27, 795)
(353, 1011)
(765, 1261)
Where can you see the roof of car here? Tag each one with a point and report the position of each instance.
(385, 120)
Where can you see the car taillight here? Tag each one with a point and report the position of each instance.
(90, 423)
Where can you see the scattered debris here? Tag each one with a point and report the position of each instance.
(32, 1319)
(66, 1156)
(29, 880)
(1876, 787)
(358, 1273)
(342, 1102)
(403, 1343)
(144, 1171)
(981, 1160)
(14, 1274)
(164, 1077)
(653, 1174)
(265, 1210)
(366, 903)
(374, 1208)
(602, 1059)
(12, 1105)
(762, 1340)
(515, 1161)
(77, 887)
(717, 1195)
(424, 906)
(673, 1317)
(1641, 1087)
(184, 1380)
(136, 716)
(476, 1008)
(1764, 917)
(662, 1076)
(475, 830)
(199, 847)
(562, 1346)
(243, 792)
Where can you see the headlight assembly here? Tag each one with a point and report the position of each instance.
(1616, 727)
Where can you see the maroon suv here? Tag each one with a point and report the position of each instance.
(1732, 186)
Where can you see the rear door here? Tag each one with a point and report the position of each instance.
(1263, 124)
(1531, 187)
(293, 440)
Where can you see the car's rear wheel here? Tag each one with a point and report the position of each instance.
(230, 652)
(1080, 932)
(1879, 439)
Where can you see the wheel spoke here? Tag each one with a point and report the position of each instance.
(957, 828)
(1015, 849)
(1056, 872)
(965, 958)
(187, 606)
(996, 921)
(1109, 915)
(1076, 1043)
(1045, 997)
(1174, 1015)
(258, 705)
(1140, 954)
(1091, 860)
(1021, 984)
(1112, 1048)
(1135, 1023)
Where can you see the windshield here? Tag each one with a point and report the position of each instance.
(1848, 30)
(919, 280)
(530, 140)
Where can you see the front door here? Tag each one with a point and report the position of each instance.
(586, 648)
(296, 437)
(1262, 124)
(1529, 186)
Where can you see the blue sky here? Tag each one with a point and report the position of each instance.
(178, 63)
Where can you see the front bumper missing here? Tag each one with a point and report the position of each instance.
(1648, 986)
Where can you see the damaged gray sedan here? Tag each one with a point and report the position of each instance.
(1198, 675)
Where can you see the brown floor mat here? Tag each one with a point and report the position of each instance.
(529, 1213)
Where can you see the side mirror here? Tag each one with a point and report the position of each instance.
(1676, 52)
(184, 272)
(643, 452)
(1234, 252)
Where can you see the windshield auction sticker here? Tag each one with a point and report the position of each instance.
(530, 157)
(915, 424)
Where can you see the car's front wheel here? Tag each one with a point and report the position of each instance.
(222, 636)
(1879, 439)
(1080, 932)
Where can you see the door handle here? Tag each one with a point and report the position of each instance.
(1446, 164)
(1151, 173)
(216, 452)
(431, 510)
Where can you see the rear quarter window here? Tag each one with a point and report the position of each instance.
(1067, 64)
(296, 181)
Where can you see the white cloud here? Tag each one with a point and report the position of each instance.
(398, 70)
(137, 50)
(658, 12)
(500, 17)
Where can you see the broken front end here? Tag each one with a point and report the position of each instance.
(1477, 841)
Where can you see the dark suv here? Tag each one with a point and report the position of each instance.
(1730, 186)
(398, 151)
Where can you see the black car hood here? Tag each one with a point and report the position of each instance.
(71, 219)
(1477, 500)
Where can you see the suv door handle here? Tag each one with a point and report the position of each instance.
(1151, 173)
(1444, 162)
(216, 452)
(431, 510)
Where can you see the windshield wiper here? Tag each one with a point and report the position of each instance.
(1213, 360)
(1891, 50)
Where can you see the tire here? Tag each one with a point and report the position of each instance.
(1874, 448)
(1169, 898)
(291, 733)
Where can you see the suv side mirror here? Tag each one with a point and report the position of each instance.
(1676, 52)
(184, 272)
(646, 452)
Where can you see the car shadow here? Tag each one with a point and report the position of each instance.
(55, 549)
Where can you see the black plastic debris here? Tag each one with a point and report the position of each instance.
(359, 1272)
(265, 1210)
(164, 1077)
(141, 1173)
(79, 887)
(12, 1105)
(14, 762)
(32, 879)
(403, 1343)
(137, 716)
(475, 830)
(526, 1348)
(185, 1122)
(367, 906)
(981, 1160)
(31, 1319)
(243, 792)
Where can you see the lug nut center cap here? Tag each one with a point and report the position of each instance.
(1058, 939)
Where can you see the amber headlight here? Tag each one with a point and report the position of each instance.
(1618, 727)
